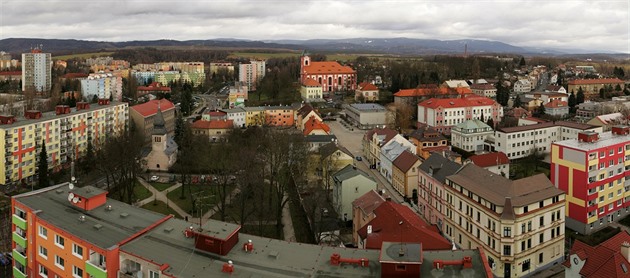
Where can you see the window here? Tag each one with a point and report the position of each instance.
(507, 232)
(59, 262)
(540, 258)
(507, 250)
(399, 267)
(542, 221)
(43, 232)
(59, 241)
(77, 272)
(526, 265)
(43, 271)
(77, 250)
(43, 252)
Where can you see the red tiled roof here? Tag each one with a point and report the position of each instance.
(556, 103)
(389, 133)
(534, 119)
(596, 81)
(418, 92)
(366, 86)
(214, 124)
(155, 86)
(150, 108)
(603, 260)
(311, 83)
(368, 202)
(216, 113)
(386, 227)
(75, 75)
(313, 124)
(490, 159)
(553, 88)
(485, 86)
(10, 73)
(405, 161)
(326, 67)
(471, 101)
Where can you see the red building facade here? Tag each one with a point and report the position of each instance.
(332, 76)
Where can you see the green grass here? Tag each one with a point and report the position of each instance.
(82, 55)
(161, 186)
(594, 238)
(210, 195)
(160, 207)
(140, 192)
(263, 56)
(267, 231)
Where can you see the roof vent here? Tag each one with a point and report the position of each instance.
(124, 215)
(82, 218)
(97, 226)
(274, 254)
(108, 208)
(168, 229)
(59, 191)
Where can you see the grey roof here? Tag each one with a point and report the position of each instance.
(350, 172)
(171, 145)
(478, 266)
(368, 107)
(442, 167)
(411, 252)
(47, 116)
(473, 124)
(320, 138)
(330, 148)
(159, 125)
(605, 139)
(233, 110)
(88, 191)
(166, 244)
(254, 108)
(116, 225)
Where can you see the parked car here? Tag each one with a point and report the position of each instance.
(155, 178)
(359, 158)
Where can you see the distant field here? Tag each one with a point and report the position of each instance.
(263, 56)
(82, 55)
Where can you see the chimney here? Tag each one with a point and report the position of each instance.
(625, 250)
(588, 136)
(32, 114)
(620, 130)
(369, 229)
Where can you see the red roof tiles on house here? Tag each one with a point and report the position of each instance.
(556, 103)
(327, 67)
(387, 227)
(214, 124)
(155, 86)
(366, 86)
(10, 73)
(471, 101)
(150, 108)
(596, 81)
(405, 161)
(485, 86)
(368, 202)
(419, 92)
(315, 124)
(603, 260)
(490, 159)
(311, 83)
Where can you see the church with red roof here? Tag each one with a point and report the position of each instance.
(330, 75)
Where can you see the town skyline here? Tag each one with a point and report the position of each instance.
(603, 26)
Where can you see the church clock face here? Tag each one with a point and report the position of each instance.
(575, 261)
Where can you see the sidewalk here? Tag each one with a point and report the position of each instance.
(161, 197)
(289, 232)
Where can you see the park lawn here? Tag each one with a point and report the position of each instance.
(208, 193)
(82, 55)
(161, 186)
(263, 56)
(141, 192)
(160, 207)
(268, 231)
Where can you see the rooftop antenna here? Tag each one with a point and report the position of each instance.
(401, 252)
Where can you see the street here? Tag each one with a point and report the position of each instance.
(352, 140)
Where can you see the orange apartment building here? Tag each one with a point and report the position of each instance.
(279, 116)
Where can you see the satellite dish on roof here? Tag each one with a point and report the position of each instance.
(71, 186)
(70, 196)
(75, 200)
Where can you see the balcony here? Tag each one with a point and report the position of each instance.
(19, 221)
(19, 240)
(18, 273)
(127, 275)
(19, 257)
(94, 270)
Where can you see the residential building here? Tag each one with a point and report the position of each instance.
(607, 259)
(547, 97)
(279, 116)
(214, 115)
(333, 157)
(94, 236)
(522, 141)
(484, 90)
(7, 63)
(331, 76)
(522, 86)
(427, 140)
(389, 153)
(405, 174)
(591, 170)
(154, 88)
(221, 66)
(520, 223)
(455, 84)
(315, 127)
(163, 152)
(373, 140)
(555, 89)
(66, 133)
(607, 121)
(432, 175)
(314, 142)
(215, 130)
(557, 108)
(495, 162)
(591, 87)
(254, 116)
(398, 223)
(304, 114)
(363, 211)
(349, 183)
(366, 115)
(11, 76)
(237, 115)
(251, 73)
(143, 115)
(187, 67)
(238, 95)
(444, 114)
(470, 135)
(367, 92)
(36, 71)
(311, 91)
(102, 86)
(411, 97)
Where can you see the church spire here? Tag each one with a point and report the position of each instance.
(159, 125)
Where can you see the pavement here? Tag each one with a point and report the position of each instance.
(289, 232)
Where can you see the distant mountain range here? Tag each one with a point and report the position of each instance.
(399, 46)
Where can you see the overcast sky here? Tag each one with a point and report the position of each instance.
(594, 25)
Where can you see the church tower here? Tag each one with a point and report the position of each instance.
(159, 134)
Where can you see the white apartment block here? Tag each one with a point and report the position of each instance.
(250, 74)
(36, 71)
(519, 224)
(443, 114)
(521, 141)
(522, 86)
(237, 115)
(470, 135)
(102, 86)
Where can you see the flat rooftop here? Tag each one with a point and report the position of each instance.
(605, 139)
(103, 228)
(478, 264)
(47, 116)
(166, 244)
(368, 107)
